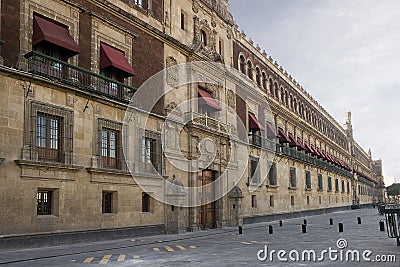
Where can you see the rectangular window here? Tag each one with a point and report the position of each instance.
(292, 200)
(110, 145)
(145, 202)
(221, 47)
(272, 174)
(182, 20)
(308, 200)
(329, 183)
(320, 182)
(107, 202)
(348, 187)
(271, 201)
(336, 185)
(44, 202)
(255, 171)
(343, 187)
(254, 201)
(48, 137)
(293, 183)
(308, 180)
(150, 152)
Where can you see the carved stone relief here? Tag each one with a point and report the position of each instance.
(172, 72)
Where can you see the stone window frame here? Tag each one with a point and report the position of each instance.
(30, 150)
(113, 202)
(147, 203)
(54, 204)
(148, 168)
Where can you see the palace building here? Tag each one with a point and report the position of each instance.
(234, 145)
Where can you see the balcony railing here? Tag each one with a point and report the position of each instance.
(203, 120)
(262, 142)
(294, 153)
(63, 72)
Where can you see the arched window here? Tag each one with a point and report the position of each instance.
(250, 69)
(203, 37)
(276, 88)
(258, 76)
(271, 88)
(286, 98)
(264, 80)
(242, 64)
(291, 101)
(282, 95)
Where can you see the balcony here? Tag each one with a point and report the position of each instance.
(60, 71)
(306, 158)
(259, 141)
(203, 120)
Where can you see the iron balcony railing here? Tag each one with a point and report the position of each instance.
(204, 120)
(259, 141)
(63, 72)
(294, 153)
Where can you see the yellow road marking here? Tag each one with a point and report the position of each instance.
(253, 241)
(181, 248)
(136, 257)
(121, 257)
(156, 249)
(160, 241)
(105, 259)
(89, 260)
(192, 247)
(246, 243)
(169, 249)
(133, 240)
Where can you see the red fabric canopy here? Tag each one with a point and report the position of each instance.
(110, 56)
(292, 142)
(282, 136)
(207, 99)
(254, 123)
(300, 145)
(309, 148)
(46, 30)
(271, 132)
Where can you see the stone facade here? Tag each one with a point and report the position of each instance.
(68, 107)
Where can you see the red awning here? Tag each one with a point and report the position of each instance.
(292, 142)
(57, 34)
(207, 99)
(254, 123)
(282, 136)
(309, 148)
(300, 145)
(271, 132)
(316, 151)
(110, 56)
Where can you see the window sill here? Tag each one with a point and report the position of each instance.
(320, 190)
(308, 189)
(272, 186)
(108, 214)
(109, 171)
(1, 160)
(46, 217)
(292, 188)
(47, 165)
(147, 213)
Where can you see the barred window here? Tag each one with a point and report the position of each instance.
(348, 187)
(150, 152)
(50, 133)
(146, 202)
(329, 183)
(254, 201)
(107, 202)
(110, 145)
(308, 180)
(292, 182)
(44, 202)
(336, 185)
(272, 174)
(254, 171)
(320, 182)
(343, 187)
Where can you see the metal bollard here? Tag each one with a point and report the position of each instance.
(340, 227)
(240, 230)
(382, 226)
(305, 222)
(359, 220)
(280, 223)
(304, 228)
(270, 229)
(330, 221)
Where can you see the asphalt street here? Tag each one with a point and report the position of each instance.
(322, 245)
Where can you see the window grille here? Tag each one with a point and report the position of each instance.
(293, 182)
(107, 202)
(50, 134)
(110, 152)
(272, 174)
(150, 152)
(44, 202)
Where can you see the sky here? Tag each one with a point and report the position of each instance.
(345, 53)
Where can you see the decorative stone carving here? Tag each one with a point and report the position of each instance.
(195, 7)
(172, 107)
(230, 99)
(172, 72)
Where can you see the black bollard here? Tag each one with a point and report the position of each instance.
(340, 227)
(240, 230)
(270, 229)
(382, 226)
(331, 221)
(304, 228)
(280, 223)
(305, 222)
(359, 220)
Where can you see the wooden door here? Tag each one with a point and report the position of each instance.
(207, 209)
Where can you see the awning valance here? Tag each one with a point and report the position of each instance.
(254, 123)
(110, 56)
(282, 136)
(54, 33)
(207, 99)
